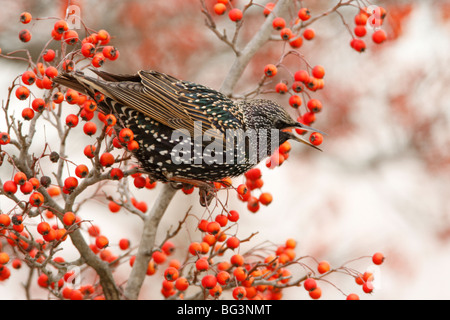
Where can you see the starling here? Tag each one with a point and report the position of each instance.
(188, 132)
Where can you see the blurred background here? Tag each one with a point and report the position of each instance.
(382, 182)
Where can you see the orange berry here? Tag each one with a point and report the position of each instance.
(265, 198)
(378, 258)
(323, 267)
(69, 218)
(220, 8)
(181, 284)
(235, 15)
(352, 296)
(101, 242)
(315, 293)
(209, 281)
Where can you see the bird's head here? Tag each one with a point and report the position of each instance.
(269, 115)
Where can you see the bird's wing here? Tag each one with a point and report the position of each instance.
(175, 103)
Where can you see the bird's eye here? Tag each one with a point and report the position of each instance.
(279, 124)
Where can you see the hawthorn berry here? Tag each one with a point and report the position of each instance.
(233, 242)
(301, 76)
(360, 31)
(22, 93)
(379, 36)
(368, 287)
(233, 216)
(90, 128)
(314, 105)
(213, 227)
(316, 138)
(110, 52)
(26, 188)
(114, 207)
(36, 199)
(28, 113)
(98, 60)
(25, 17)
(171, 274)
(61, 26)
(5, 220)
(70, 183)
(88, 50)
(101, 242)
(103, 36)
(28, 77)
(304, 14)
(318, 72)
(209, 281)
(378, 258)
(286, 34)
(309, 34)
(116, 174)
(181, 284)
(49, 55)
(235, 14)
(43, 228)
(222, 220)
(352, 296)
(265, 198)
(268, 8)
(358, 44)
(51, 72)
(89, 151)
(315, 293)
(220, 8)
(310, 284)
(195, 248)
(25, 35)
(270, 70)
(323, 267)
(107, 159)
(278, 23)
(70, 37)
(296, 42)
(20, 178)
(69, 218)
(253, 204)
(202, 264)
(159, 257)
(295, 101)
(361, 19)
(281, 88)
(239, 293)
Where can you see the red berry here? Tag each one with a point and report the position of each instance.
(202, 264)
(25, 35)
(378, 258)
(304, 14)
(101, 242)
(36, 199)
(171, 274)
(159, 257)
(28, 77)
(253, 204)
(316, 138)
(220, 8)
(22, 93)
(281, 88)
(209, 281)
(295, 101)
(318, 72)
(124, 244)
(98, 60)
(110, 53)
(358, 44)
(49, 55)
(323, 267)
(107, 159)
(309, 34)
(270, 70)
(314, 105)
(360, 31)
(352, 296)
(5, 220)
(315, 293)
(69, 218)
(61, 26)
(233, 216)
(25, 17)
(116, 174)
(278, 23)
(239, 293)
(268, 8)
(368, 287)
(379, 36)
(181, 284)
(235, 15)
(114, 207)
(233, 242)
(286, 34)
(43, 228)
(70, 37)
(88, 50)
(265, 198)
(310, 284)
(28, 113)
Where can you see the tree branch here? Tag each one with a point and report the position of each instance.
(260, 38)
(147, 243)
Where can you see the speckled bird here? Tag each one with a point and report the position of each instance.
(154, 105)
